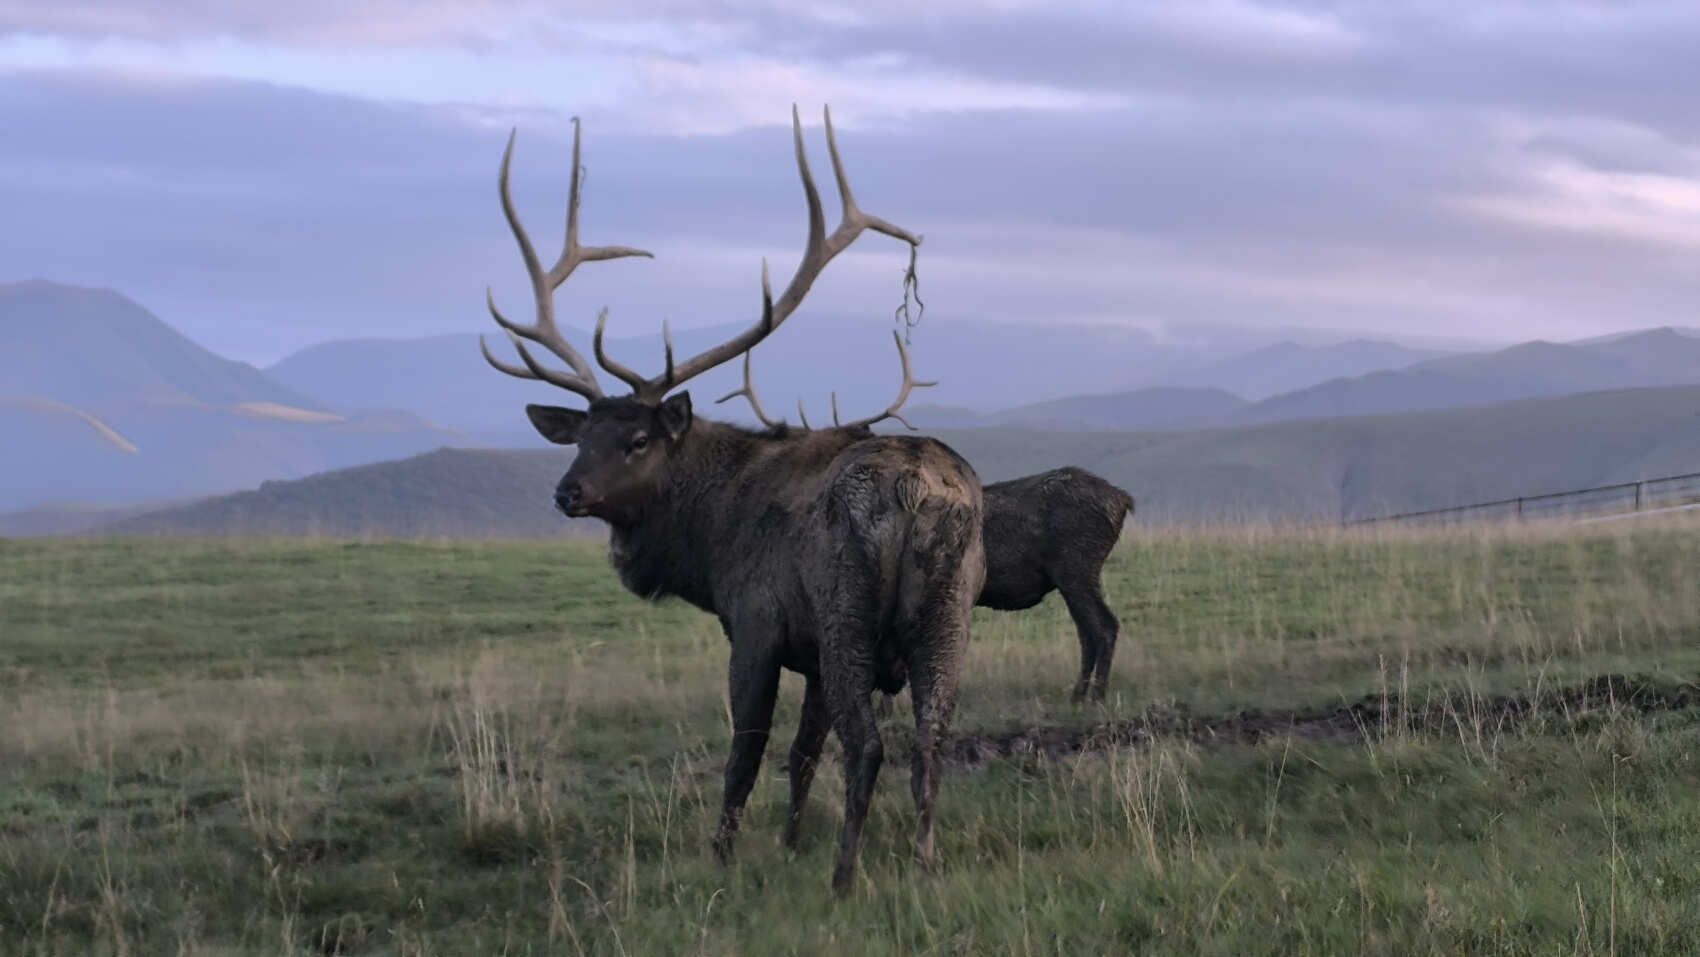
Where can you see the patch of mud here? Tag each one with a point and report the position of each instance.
(1368, 717)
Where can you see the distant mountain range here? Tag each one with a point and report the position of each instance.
(1288, 366)
(1155, 408)
(980, 366)
(1651, 358)
(106, 405)
(99, 351)
(1297, 471)
(1657, 357)
(100, 401)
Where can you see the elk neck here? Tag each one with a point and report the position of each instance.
(726, 490)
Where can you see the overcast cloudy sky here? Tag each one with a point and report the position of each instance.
(265, 175)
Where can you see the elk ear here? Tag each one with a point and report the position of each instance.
(556, 424)
(676, 415)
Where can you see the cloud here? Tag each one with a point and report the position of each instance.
(308, 22)
(1636, 207)
(274, 175)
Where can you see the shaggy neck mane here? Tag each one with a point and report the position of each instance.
(673, 547)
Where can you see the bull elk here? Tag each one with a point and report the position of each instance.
(1052, 531)
(855, 564)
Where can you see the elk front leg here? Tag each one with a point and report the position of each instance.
(805, 754)
(754, 678)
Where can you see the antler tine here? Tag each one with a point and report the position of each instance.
(749, 394)
(617, 369)
(667, 345)
(749, 389)
(819, 250)
(851, 212)
(532, 369)
(544, 331)
(571, 252)
(910, 384)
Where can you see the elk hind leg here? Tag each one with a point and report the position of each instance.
(1097, 627)
(941, 637)
(847, 670)
(805, 754)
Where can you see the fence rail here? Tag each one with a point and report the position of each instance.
(1667, 492)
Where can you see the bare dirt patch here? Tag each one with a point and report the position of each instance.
(1368, 717)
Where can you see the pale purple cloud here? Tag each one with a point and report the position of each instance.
(1391, 168)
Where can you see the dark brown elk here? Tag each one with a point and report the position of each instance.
(1051, 531)
(854, 563)
(1047, 532)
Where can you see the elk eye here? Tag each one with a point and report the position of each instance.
(640, 442)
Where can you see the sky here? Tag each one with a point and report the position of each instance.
(265, 175)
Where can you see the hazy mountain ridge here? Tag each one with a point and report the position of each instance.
(982, 367)
(1298, 471)
(1289, 366)
(464, 392)
(99, 351)
(1650, 358)
(1156, 408)
(103, 402)
(115, 407)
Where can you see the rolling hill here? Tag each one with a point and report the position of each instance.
(1356, 467)
(101, 402)
(1648, 359)
(1298, 471)
(1159, 408)
(1653, 358)
(450, 493)
(1289, 366)
(96, 350)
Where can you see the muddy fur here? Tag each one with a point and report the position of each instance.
(1053, 532)
(849, 558)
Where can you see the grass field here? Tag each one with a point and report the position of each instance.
(290, 747)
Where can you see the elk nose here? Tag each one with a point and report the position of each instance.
(567, 496)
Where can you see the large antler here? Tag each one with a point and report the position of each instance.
(910, 384)
(544, 331)
(891, 411)
(820, 249)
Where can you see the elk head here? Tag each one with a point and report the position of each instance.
(625, 443)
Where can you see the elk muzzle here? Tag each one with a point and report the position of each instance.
(572, 499)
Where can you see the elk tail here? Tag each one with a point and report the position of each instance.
(1121, 506)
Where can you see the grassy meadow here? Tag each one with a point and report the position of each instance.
(291, 747)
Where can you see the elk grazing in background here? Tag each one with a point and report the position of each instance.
(853, 563)
(1047, 532)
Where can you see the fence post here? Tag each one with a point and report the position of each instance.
(1638, 487)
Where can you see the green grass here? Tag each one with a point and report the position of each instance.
(310, 747)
